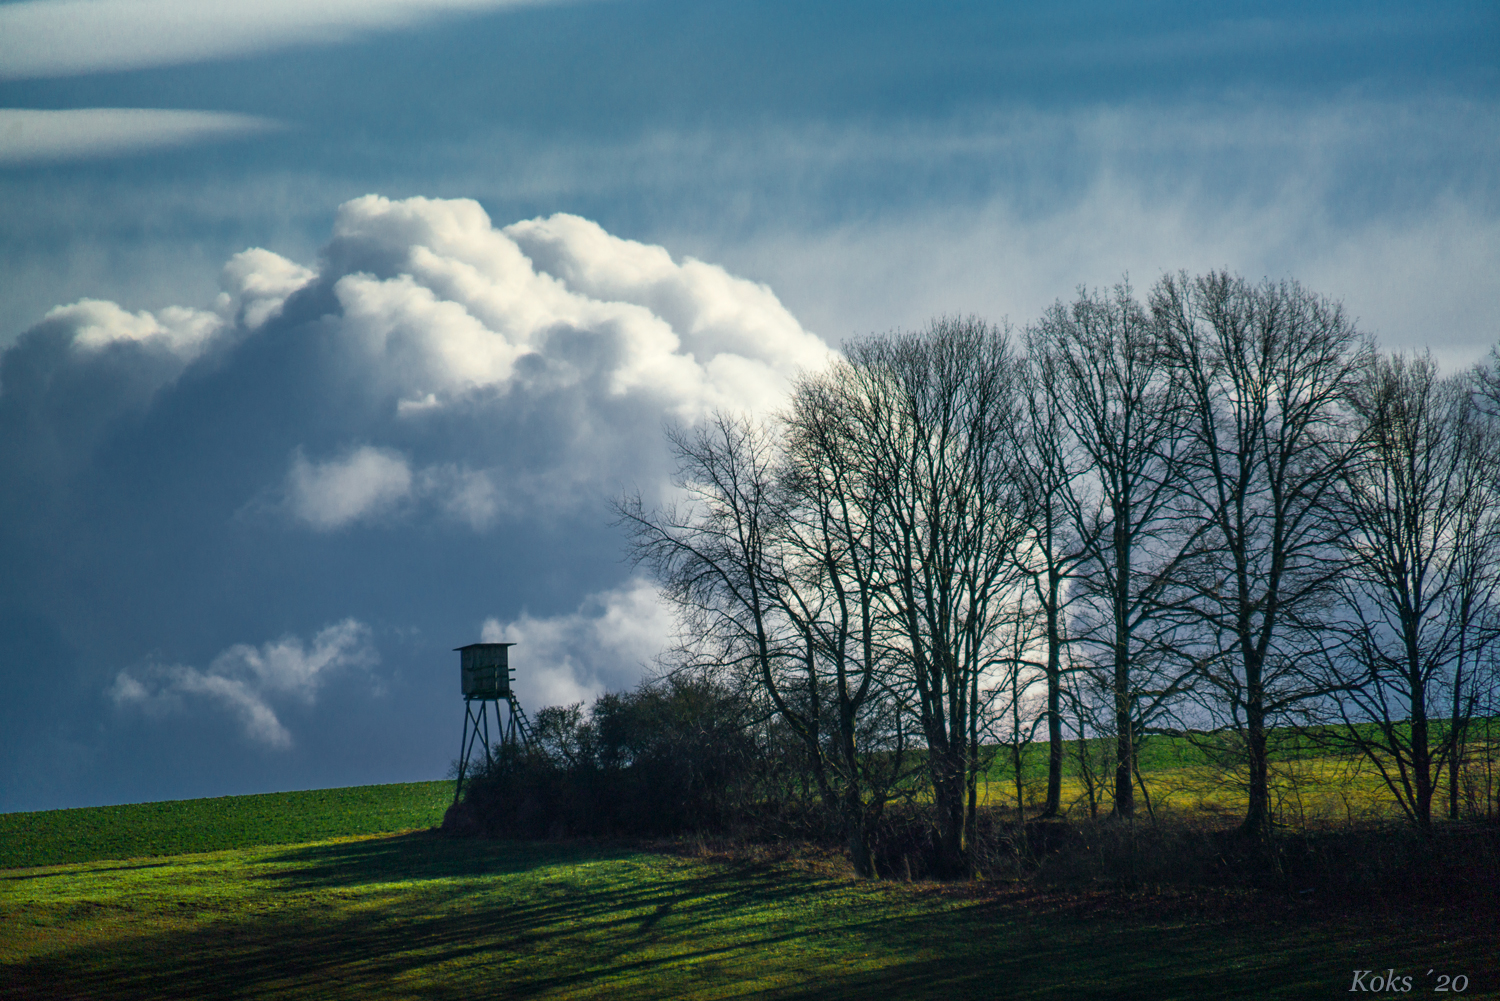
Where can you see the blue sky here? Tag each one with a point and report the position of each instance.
(249, 501)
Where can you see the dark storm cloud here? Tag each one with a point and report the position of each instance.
(235, 532)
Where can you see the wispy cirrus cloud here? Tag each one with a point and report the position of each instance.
(43, 136)
(48, 38)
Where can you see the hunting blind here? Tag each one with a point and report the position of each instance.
(485, 672)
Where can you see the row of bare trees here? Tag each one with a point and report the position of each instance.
(1218, 508)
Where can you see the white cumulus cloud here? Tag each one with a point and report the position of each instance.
(606, 644)
(97, 323)
(439, 367)
(245, 680)
(467, 302)
(524, 370)
(256, 285)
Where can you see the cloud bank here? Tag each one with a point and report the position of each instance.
(413, 436)
(440, 307)
(1386, 204)
(429, 315)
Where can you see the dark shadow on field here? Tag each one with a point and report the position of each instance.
(315, 948)
(1112, 960)
(643, 919)
(68, 872)
(424, 855)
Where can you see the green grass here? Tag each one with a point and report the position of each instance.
(1165, 751)
(200, 825)
(143, 911)
(420, 916)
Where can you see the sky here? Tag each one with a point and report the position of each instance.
(329, 330)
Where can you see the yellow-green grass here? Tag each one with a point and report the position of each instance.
(420, 916)
(196, 825)
(1309, 784)
(1307, 791)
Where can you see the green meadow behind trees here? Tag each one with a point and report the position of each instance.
(144, 911)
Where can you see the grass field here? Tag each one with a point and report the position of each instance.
(320, 894)
(200, 825)
(1305, 790)
(420, 916)
(1309, 784)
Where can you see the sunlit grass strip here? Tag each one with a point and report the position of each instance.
(1309, 785)
(421, 916)
(1306, 791)
(176, 827)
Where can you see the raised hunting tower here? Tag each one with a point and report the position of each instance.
(486, 676)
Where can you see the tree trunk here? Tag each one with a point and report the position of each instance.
(1054, 748)
(1124, 755)
(1124, 724)
(1124, 735)
(1258, 814)
(1421, 760)
(1086, 767)
(971, 765)
(859, 840)
(1258, 810)
(1054, 702)
(950, 805)
(1455, 732)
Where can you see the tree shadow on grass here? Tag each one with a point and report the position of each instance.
(65, 873)
(989, 953)
(450, 924)
(421, 916)
(424, 855)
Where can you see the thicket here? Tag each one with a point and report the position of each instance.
(665, 758)
(1219, 512)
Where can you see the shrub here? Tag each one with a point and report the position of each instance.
(673, 756)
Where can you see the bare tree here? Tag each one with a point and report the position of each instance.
(1265, 372)
(1120, 404)
(716, 557)
(1477, 554)
(929, 414)
(832, 535)
(1421, 536)
(1013, 712)
(1048, 467)
(1481, 675)
(770, 566)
